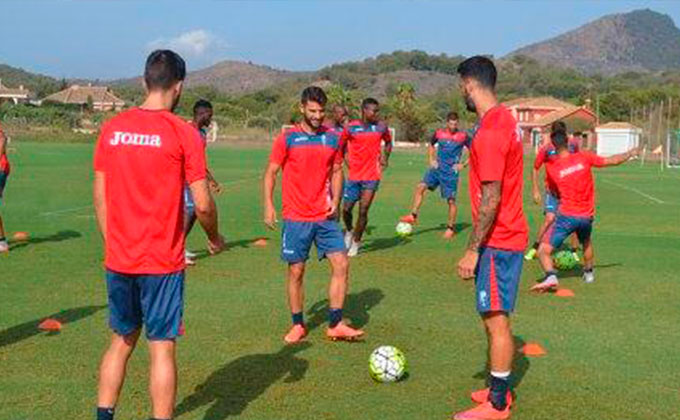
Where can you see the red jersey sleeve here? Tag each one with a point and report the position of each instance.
(540, 158)
(491, 148)
(595, 160)
(100, 150)
(340, 152)
(387, 135)
(194, 154)
(279, 150)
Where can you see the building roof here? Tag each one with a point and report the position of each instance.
(617, 125)
(541, 102)
(13, 92)
(76, 94)
(560, 115)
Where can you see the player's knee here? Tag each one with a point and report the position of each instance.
(125, 343)
(363, 212)
(549, 218)
(341, 266)
(295, 272)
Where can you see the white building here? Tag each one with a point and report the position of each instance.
(616, 137)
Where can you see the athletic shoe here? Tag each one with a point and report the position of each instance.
(190, 255)
(408, 219)
(484, 412)
(531, 254)
(548, 284)
(189, 261)
(296, 334)
(342, 332)
(449, 233)
(4, 246)
(349, 236)
(574, 254)
(481, 396)
(354, 249)
(588, 276)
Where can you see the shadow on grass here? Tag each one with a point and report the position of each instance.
(357, 306)
(394, 241)
(241, 243)
(231, 388)
(62, 235)
(520, 365)
(29, 329)
(578, 271)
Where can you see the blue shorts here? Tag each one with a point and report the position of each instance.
(297, 239)
(566, 225)
(352, 189)
(156, 301)
(447, 182)
(497, 279)
(551, 203)
(3, 182)
(189, 205)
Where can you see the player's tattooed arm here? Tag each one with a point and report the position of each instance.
(488, 209)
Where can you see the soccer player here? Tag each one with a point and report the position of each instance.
(339, 118)
(366, 164)
(142, 159)
(4, 175)
(444, 152)
(547, 153)
(570, 175)
(203, 113)
(494, 254)
(310, 157)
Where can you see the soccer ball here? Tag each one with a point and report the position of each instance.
(564, 260)
(404, 229)
(387, 364)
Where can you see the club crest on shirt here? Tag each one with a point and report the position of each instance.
(135, 139)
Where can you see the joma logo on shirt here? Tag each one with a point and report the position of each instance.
(134, 139)
(570, 170)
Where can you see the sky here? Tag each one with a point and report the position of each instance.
(107, 39)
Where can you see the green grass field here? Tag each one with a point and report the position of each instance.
(612, 349)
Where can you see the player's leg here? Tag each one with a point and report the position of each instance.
(297, 238)
(189, 220)
(367, 195)
(556, 235)
(125, 319)
(550, 213)
(574, 245)
(584, 234)
(430, 182)
(4, 246)
(351, 193)
(162, 298)
(449, 188)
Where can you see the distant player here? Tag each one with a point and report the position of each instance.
(4, 175)
(366, 163)
(546, 154)
(310, 157)
(444, 153)
(142, 159)
(494, 255)
(570, 176)
(339, 118)
(203, 113)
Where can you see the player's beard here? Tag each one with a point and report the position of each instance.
(314, 124)
(469, 103)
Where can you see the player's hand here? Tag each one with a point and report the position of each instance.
(270, 217)
(216, 246)
(434, 164)
(467, 265)
(332, 212)
(215, 187)
(383, 162)
(537, 196)
(458, 167)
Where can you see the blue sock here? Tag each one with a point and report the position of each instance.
(298, 318)
(334, 317)
(499, 392)
(105, 413)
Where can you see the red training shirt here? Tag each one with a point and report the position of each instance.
(571, 176)
(363, 148)
(496, 155)
(147, 157)
(307, 161)
(4, 162)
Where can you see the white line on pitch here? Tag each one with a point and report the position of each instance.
(52, 213)
(635, 190)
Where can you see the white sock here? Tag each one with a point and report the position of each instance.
(500, 375)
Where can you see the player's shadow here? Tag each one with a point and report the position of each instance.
(520, 365)
(577, 272)
(29, 329)
(62, 235)
(241, 243)
(357, 307)
(394, 241)
(231, 388)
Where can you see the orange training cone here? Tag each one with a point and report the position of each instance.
(50, 324)
(260, 242)
(533, 350)
(565, 293)
(20, 236)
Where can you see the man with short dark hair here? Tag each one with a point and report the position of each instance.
(570, 176)
(444, 153)
(366, 163)
(494, 254)
(310, 157)
(4, 175)
(142, 159)
(339, 118)
(203, 113)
